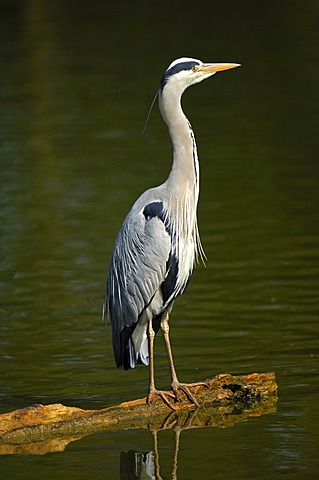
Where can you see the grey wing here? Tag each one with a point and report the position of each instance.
(137, 270)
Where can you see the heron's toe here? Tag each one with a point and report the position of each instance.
(163, 395)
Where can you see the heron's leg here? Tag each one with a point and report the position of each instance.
(152, 390)
(151, 336)
(176, 384)
(165, 333)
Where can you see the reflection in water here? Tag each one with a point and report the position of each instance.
(146, 465)
(137, 465)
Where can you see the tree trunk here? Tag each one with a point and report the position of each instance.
(224, 401)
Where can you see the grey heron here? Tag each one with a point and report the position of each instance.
(158, 243)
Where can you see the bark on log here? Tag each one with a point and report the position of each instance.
(225, 401)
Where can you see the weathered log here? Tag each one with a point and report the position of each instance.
(225, 400)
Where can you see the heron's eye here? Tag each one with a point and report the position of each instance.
(195, 68)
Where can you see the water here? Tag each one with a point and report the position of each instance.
(76, 84)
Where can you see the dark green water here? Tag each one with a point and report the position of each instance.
(75, 86)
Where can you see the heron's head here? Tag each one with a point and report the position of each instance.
(185, 71)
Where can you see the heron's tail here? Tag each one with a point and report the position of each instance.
(131, 345)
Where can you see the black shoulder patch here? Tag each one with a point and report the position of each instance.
(154, 209)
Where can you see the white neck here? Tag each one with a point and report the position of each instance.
(184, 174)
(183, 181)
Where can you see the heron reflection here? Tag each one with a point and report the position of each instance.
(136, 465)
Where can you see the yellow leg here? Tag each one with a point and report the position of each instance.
(176, 385)
(152, 390)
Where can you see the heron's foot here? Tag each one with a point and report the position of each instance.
(164, 396)
(185, 387)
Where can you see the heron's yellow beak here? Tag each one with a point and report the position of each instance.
(218, 67)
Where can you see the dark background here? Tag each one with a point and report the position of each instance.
(76, 82)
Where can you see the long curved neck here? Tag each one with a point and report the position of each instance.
(184, 175)
(182, 185)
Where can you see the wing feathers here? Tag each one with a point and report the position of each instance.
(144, 278)
(137, 270)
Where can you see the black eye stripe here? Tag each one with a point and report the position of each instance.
(179, 67)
